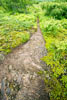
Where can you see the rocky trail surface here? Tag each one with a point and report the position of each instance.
(18, 72)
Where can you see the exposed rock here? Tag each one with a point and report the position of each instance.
(10, 67)
(1, 58)
(24, 63)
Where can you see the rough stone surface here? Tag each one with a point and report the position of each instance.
(22, 66)
(1, 58)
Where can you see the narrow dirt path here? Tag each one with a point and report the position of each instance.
(22, 66)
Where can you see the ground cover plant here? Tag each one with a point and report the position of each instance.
(15, 29)
(55, 35)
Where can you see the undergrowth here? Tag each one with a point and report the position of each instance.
(15, 29)
(56, 10)
(55, 34)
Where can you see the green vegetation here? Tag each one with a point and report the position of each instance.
(55, 35)
(15, 5)
(18, 22)
(56, 10)
(61, 0)
(15, 29)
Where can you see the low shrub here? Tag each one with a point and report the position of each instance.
(56, 10)
(51, 27)
(56, 81)
(15, 30)
(55, 34)
(57, 13)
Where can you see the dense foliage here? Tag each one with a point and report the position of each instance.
(16, 5)
(15, 29)
(55, 34)
(61, 0)
(56, 10)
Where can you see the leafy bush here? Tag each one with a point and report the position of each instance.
(64, 24)
(55, 35)
(56, 10)
(61, 0)
(57, 80)
(51, 27)
(15, 29)
(56, 13)
(17, 5)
